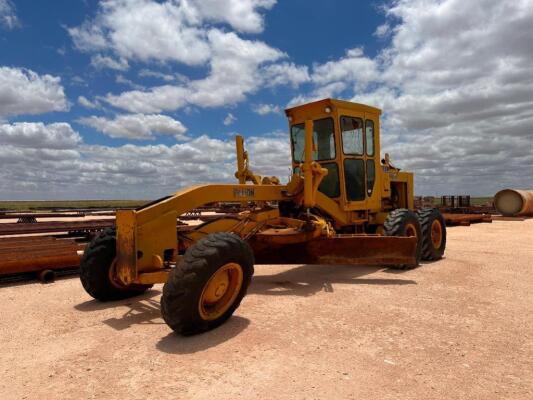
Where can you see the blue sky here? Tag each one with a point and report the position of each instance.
(125, 98)
(309, 35)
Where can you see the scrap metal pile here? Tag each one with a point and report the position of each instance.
(42, 244)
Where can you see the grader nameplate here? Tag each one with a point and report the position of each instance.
(343, 204)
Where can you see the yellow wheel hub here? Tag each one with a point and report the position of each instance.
(436, 234)
(220, 291)
(112, 275)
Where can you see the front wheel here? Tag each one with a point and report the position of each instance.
(207, 286)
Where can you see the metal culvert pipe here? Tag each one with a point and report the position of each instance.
(511, 202)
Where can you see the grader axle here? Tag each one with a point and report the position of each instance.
(342, 205)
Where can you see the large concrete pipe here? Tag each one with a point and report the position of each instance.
(511, 202)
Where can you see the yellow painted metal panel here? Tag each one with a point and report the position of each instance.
(149, 278)
(154, 237)
(196, 196)
(126, 246)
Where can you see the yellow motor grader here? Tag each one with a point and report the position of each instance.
(343, 204)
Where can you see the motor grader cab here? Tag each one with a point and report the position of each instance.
(342, 205)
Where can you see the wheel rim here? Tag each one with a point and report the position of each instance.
(436, 234)
(410, 230)
(220, 291)
(112, 276)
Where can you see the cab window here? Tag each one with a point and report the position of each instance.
(352, 135)
(354, 175)
(298, 142)
(323, 136)
(369, 133)
(330, 184)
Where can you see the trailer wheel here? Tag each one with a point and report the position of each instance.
(404, 222)
(433, 233)
(208, 284)
(96, 270)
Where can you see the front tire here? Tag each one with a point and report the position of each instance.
(433, 233)
(207, 286)
(404, 222)
(95, 270)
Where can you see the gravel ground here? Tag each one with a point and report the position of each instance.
(461, 328)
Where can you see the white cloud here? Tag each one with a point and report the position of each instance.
(38, 135)
(100, 62)
(285, 74)
(8, 16)
(144, 30)
(128, 82)
(157, 99)
(53, 169)
(23, 92)
(383, 30)
(187, 32)
(353, 68)
(137, 126)
(85, 102)
(229, 120)
(264, 109)
(165, 31)
(270, 155)
(234, 73)
(233, 70)
(146, 73)
(242, 15)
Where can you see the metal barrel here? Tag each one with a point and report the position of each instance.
(512, 202)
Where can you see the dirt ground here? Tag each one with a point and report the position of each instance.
(461, 328)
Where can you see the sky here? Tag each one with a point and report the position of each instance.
(134, 99)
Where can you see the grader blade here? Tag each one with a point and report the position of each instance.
(342, 249)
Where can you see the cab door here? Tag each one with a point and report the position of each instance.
(358, 154)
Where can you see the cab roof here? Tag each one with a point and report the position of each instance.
(335, 103)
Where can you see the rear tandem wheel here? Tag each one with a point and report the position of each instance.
(433, 233)
(404, 222)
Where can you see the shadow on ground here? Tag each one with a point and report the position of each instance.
(142, 310)
(422, 264)
(304, 280)
(175, 344)
(307, 280)
(31, 278)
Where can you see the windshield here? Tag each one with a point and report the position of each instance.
(323, 136)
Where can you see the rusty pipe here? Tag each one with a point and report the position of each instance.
(21, 264)
(47, 276)
(512, 202)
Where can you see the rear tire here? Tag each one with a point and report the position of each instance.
(95, 268)
(404, 222)
(433, 233)
(219, 257)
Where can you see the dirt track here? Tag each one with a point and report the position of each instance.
(461, 328)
